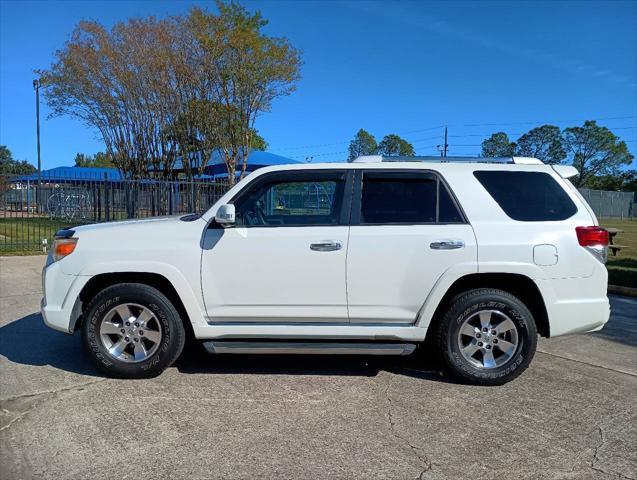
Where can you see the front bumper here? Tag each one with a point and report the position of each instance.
(54, 318)
(61, 306)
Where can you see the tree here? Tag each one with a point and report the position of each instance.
(100, 159)
(249, 70)
(156, 89)
(363, 143)
(8, 165)
(623, 181)
(543, 143)
(498, 145)
(124, 83)
(392, 145)
(595, 151)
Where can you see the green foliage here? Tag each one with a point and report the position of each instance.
(498, 145)
(623, 182)
(156, 89)
(594, 151)
(248, 69)
(8, 165)
(100, 159)
(258, 142)
(392, 145)
(543, 143)
(363, 143)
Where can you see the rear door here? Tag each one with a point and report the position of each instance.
(284, 260)
(406, 231)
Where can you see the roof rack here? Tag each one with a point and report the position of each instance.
(433, 159)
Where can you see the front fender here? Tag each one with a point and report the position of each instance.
(191, 301)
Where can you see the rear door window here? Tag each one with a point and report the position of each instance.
(399, 198)
(528, 196)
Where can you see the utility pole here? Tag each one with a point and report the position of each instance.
(446, 146)
(36, 87)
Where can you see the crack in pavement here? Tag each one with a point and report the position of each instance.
(425, 463)
(595, 458)
(625, 372)
(22, 405)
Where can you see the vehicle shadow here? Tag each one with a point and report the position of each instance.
(28, 341)
(196, 361)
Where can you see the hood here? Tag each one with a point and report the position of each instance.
(133, 224)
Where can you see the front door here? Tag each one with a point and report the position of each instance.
(284, 260)
(406, 232)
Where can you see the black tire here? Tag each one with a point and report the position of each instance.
(173, 334)
(461, 308)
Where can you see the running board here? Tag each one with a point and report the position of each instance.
(320, 348)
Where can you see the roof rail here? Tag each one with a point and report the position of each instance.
(433, 159)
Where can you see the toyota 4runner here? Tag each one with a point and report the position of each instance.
(473, 258)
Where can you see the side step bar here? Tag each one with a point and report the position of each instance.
(299, 347)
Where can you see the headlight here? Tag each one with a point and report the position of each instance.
(63, 247)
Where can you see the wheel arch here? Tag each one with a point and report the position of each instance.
(99, 282)
(521, 286)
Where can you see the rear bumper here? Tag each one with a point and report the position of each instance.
(577, 316)
(577, 305)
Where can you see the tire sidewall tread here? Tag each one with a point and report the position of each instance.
(466, 304)
(173, 332)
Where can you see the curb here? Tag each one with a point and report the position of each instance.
(621, 290)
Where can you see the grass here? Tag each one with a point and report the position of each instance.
(23, 236)
(622, 269)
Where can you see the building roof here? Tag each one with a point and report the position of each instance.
(215, 168)
(74, 173)
(256, 159)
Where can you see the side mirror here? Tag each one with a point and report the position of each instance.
(225, 214)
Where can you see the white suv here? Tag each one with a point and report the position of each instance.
(471, 258)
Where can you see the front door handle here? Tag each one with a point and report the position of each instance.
(326, 246)
(447, 245)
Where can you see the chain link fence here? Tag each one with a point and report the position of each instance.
(610, 204)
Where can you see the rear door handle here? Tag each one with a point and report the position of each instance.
(447, 245)
(326, 246)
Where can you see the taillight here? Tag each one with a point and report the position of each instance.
(63, 247)
(592, 236)
(595, 240)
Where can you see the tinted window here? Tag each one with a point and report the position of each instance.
(447, 210)
(401, 198)
(291, 202)
(528, 196)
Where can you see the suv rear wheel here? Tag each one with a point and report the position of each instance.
(132, 331)
(487, 337)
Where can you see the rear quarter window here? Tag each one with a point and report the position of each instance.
(528, 196)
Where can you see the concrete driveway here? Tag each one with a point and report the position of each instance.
(573, 414)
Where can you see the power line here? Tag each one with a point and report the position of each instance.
(467, 135)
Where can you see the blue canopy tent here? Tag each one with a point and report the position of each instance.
(216, 168)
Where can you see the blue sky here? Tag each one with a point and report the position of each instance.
(389, 67)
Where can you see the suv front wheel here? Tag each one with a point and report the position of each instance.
(132, 331)
(487, 337)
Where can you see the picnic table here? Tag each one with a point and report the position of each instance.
(611, 234)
